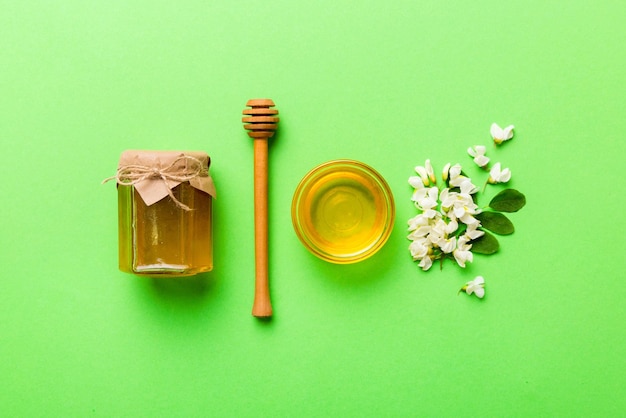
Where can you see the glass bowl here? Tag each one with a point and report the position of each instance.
(343, 211)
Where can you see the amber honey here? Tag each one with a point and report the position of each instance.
(162, 239)
(343, 211)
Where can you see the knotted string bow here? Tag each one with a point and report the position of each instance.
(132, 174)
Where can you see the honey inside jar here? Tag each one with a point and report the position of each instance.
(343, 211)
(159, 239)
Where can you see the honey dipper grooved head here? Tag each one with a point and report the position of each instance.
(260, 120)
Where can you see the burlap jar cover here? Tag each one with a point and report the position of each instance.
(155, 173)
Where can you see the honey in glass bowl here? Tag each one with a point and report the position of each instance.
(343, 211)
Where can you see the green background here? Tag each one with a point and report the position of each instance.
(387, 83)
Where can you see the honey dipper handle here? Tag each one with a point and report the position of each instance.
(260, 121)
(262, 307)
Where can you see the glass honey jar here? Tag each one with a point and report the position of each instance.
(165, 213)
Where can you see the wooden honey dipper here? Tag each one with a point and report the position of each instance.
(260, 121)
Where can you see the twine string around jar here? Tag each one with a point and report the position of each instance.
(131, 174)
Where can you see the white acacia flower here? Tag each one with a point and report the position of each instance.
(437, 232)
(419, 248)
(458, 211)
(455, 176)
(426, 198)
(423, 175)
(478, 152)
(447, 245)
(445, 172)
(462, 253)
(426, 173)
(500, 135)
(467, 187)
(430, 172)
(416, 182)
(455, 170)
(476, 286)
(498, 175)
(417, 221)
(422, 220)
(469, 220)
(426, 263)
(420, 232)
(451, 226)
(472, 232)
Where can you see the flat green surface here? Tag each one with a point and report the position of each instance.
(387, 83)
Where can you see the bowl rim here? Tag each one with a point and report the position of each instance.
(313, 175)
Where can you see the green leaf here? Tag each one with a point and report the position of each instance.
(496, 222)
(509, 200)
(487, 244)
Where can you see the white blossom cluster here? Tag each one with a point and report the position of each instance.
(446, 224)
